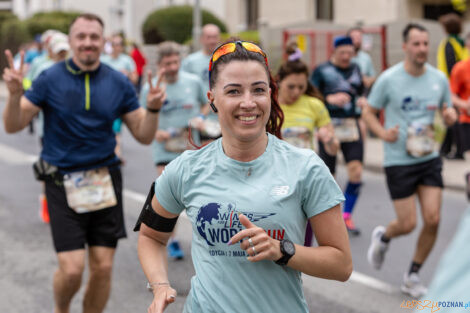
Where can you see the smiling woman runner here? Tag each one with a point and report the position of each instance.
(248, 196)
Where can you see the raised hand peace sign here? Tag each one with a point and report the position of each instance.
(157, 94)
(13, 77)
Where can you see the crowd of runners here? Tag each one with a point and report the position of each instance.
(215, 120)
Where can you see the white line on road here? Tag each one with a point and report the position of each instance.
(372, 282)
(140, 198)
(16, 157)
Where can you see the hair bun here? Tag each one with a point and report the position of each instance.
(297, 55)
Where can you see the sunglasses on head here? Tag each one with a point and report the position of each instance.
(230, 47)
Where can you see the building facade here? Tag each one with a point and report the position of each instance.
(239, 15)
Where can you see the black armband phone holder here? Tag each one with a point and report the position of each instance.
(152, 219)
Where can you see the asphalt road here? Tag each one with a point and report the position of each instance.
(27, 257)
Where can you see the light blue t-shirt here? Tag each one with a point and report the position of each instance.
(39, 64)
(184, 99)
(278, 191)
(365, 63)
(122, 62)
(451, 280)
(198, 64)
(408, 99)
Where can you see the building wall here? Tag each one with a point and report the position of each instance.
(280, 12)
(350, 12)
(133, 12)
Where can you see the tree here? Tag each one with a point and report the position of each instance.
(174, 23)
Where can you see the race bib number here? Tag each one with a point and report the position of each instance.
(420, 140)
(299, 137)
(89, 191)
(211, 129)
(346, 129)
(178, 143)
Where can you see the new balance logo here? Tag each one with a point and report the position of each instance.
(280, 191)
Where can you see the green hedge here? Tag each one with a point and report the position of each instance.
(249, 35)
(5, 15)
(42, 21)
(13, 33)
(174, 23)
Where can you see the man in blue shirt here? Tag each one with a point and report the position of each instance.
(80, 99)
(411, 92)
(340, 82)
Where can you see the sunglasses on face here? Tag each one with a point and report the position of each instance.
(230, 47)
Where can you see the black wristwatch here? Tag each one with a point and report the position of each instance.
(287, 250)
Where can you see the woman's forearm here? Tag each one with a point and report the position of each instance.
(324, 262)
(153, 258)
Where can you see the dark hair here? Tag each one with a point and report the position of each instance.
(89, 17)
(356, 28)
(452, 23)
(297, 67)
(409, 27)
(276, 117)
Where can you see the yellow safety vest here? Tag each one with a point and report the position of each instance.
(461, 53)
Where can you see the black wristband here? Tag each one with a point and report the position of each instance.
(153, 110)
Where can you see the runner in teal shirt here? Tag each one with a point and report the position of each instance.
(248, 196)
(183, 102)
(408, 100)
(121, 63)
(410, 93)
(279, 191)
(198, 63)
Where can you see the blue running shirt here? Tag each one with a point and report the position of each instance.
(79, 109)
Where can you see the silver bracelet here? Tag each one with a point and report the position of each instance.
(150, 285)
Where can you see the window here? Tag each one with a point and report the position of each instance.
(434, 11)
(251, 14)
(325, 10)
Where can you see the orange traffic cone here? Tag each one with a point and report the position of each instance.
(43, 211)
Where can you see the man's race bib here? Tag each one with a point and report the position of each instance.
(346, 129)
(420, 140)
(89, 191)
(300, 137)
(211, 129)
(178, 143)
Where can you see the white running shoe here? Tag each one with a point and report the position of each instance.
(377, 248)
(412, 286)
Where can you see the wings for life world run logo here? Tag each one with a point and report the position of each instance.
(217, 224)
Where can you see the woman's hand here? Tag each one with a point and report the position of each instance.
(326, 135)
(257, 245)
(163, 295)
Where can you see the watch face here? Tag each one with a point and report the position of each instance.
(289, 247)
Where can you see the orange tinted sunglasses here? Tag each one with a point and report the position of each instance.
(230, 47)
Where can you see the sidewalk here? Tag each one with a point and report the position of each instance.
(453, 170)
